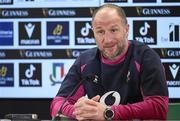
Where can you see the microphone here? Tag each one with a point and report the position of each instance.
(27, 117)
(59, 114)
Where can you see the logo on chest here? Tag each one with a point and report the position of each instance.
(111, 98)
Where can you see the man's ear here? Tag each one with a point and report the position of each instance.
(92, 29)
(127, 30)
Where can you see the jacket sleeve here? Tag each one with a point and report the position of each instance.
(153, 107)
(69, 83)
(67, 107)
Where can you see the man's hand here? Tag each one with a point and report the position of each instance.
(89, 109)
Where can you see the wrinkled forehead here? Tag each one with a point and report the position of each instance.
(106, 23)
(106, 18)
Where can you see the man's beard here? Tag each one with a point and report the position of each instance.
(121, 49)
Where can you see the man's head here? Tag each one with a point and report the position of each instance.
(110, 30)
(118, 9)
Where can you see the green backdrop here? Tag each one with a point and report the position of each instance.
(174, 111)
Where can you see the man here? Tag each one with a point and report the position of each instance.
(130, 80)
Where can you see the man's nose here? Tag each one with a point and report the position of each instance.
(107, 37)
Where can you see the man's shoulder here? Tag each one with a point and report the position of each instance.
(138, 44)
(89, 51)
(142, 50)
(90, 54)
(139, 47)
(139, 50)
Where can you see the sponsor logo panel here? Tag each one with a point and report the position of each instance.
(144, 1)
(46, 12)
(29, 33)
(83, 33)
(170, 36)
(174, 32)
(6, 2)
(26, 1)
(171, 1)
(2, 54)
(6, 75)
(158, 11)
(57, 33)
(153, 11)
(172, 71)
(145, 31)
(30, 75)
(84, 12)
(114, 1)
(66, 12)
(168, 53)
(40, 53)
(14, 13)
(6, 33)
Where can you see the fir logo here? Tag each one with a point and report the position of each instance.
(57, 75)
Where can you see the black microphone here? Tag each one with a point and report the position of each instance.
(22, 117)
(59, 114)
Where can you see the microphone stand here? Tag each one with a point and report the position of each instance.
(59, 114)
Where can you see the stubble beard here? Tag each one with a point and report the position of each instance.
(120, 51)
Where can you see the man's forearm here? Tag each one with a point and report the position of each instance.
(153, 107)
(67, 108)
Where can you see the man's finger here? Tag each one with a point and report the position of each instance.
(96, 98)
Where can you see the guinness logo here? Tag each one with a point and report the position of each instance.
(45, 12)
(139, 10)
(22, 53)
(69, 53)
(152, 11)
(164, 52)
(92, 10)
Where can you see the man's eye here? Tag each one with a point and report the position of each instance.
(100, 32)
(114, 30)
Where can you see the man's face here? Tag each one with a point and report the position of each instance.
(110, 33)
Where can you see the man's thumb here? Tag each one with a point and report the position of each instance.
(96, 98)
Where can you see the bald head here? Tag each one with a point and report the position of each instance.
(116, 8)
